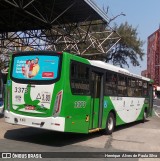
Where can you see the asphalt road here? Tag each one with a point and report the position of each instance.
(156, 108)
(135, 137)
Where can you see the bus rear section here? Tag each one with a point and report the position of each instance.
(34, 90)
(67, 93)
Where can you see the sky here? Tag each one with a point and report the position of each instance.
(143, 14)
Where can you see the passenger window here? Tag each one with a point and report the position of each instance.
(122, 85)
(145, 89)
(131, 87)
(79, 79)
(111, 84)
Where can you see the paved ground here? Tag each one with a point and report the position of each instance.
(135, 137)
(140, 137)
(157, 107)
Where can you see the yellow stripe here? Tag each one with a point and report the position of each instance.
(94, 130)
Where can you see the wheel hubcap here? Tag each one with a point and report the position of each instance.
(145, 115)
(110, 123)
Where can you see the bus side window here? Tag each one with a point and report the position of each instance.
(73, 70)
(145, 89)
(122, 85)
(139, 88)
(111, 84)
(79, 79)
(131, 87)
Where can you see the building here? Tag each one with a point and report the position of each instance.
(153, 58)
(144, 73)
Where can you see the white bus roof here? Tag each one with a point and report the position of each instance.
(111, 67)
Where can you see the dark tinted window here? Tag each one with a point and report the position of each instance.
(122, 85)
(111, 84)
(135, 87)
(131, 83)
(138, 89)
(79, 78)
(145, 89)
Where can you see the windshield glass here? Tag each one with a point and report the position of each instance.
(35, 67)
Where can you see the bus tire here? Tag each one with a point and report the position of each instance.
(144, 115)
(110, 124)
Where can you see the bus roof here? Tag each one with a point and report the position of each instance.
(111, 67)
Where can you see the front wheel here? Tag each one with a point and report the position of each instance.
(110, 124)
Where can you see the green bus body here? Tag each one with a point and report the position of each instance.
(75, 101)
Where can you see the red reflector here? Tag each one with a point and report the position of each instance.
(57, 124)
(59, 102)
(59, 53)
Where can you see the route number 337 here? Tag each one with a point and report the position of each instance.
(20, 90)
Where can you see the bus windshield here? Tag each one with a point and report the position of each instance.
(35, 67)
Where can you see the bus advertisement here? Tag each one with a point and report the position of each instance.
(63, 92)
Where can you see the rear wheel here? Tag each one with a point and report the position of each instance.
(144, 115)
(110, 124)
(2, 114)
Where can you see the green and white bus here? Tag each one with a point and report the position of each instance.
(63, 92)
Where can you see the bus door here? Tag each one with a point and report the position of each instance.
(96, 99)
(150, 100)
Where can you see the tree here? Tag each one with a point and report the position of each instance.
(129, 48)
